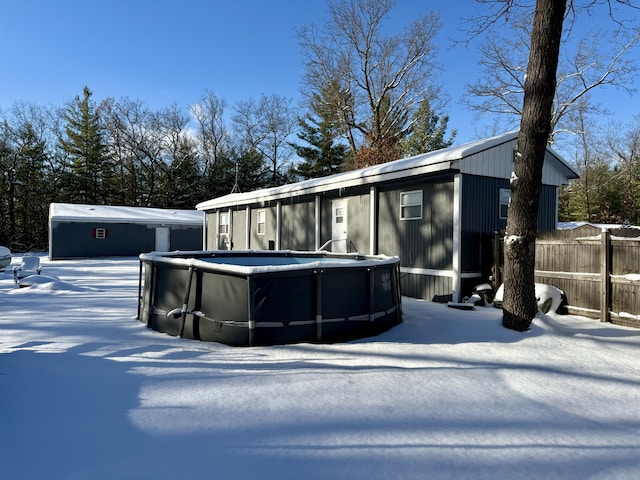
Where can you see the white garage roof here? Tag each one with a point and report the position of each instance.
(71, 212)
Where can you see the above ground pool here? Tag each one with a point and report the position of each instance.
(247, 298)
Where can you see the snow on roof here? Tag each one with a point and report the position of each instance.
(117, 214)
(608, 226)
(430, 162)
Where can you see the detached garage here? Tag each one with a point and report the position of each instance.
(80, 231)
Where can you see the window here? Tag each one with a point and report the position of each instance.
(411, 205)
(261, 224)
(339, 214)
(505, 197)
(224, 224)
(100, 233)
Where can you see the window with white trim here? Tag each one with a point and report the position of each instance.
(224, 223)
(411, 205)
(261, 224)
(100, 233)
(505, 198)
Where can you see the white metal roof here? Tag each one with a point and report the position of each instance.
(69, 212)
(437, 161)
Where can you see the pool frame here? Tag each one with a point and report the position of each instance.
(318, 297)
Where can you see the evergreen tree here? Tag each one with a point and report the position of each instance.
(601, 201)
(34, 194)
(26, 188)
(321, 155)
(179, 185)
(84, 143)
(7, 185)
(427, 133)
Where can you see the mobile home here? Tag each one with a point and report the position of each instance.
(432, 210)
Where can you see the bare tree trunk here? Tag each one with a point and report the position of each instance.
(519, 301)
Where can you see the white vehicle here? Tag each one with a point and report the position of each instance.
(5, 257)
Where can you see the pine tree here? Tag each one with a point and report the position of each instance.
(32, 200)
(85, 146)
(428, 132)
(322, 155)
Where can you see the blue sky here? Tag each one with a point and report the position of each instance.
(164, 52)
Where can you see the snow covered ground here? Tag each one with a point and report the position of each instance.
(88, 392)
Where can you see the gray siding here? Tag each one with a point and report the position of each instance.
(481, 216)
(425, 243)
(239, 228)
(212, 230)
(358, 215)
(481, 204)
(425, 286)
(261, 242)
(325, 220)
(497, 162)
(298, 226)
(185, 238)
(547, 211)
(76, 239)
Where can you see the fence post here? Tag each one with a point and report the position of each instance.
(605, 279)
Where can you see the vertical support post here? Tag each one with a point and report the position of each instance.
(185, 303)
(605, 279)
(372, 293)
(456, 259)
(205, 216)
(139, 289)
(278, 224)
(247, 229)
(373, 221)
(318, 223)
(217, 237)
(151, 288)
(230, 234)
(398, 291)
(251, 324)
(318, 305)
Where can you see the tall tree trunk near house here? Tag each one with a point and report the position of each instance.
(535, 126)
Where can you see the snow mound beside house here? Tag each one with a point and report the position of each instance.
(548, 297)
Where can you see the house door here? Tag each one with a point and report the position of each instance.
(223, 231)
(162, 239)
(339, 226)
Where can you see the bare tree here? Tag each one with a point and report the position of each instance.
(246, 124)
(625, 150)
(277, 123)
(212, 131)
(376, 80)
(598, 59)
(136, 145)
(264, 127)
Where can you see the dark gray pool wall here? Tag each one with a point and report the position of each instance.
(284, 306)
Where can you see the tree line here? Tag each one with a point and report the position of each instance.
(122, 152)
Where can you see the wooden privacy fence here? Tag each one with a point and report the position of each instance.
(598, 269)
